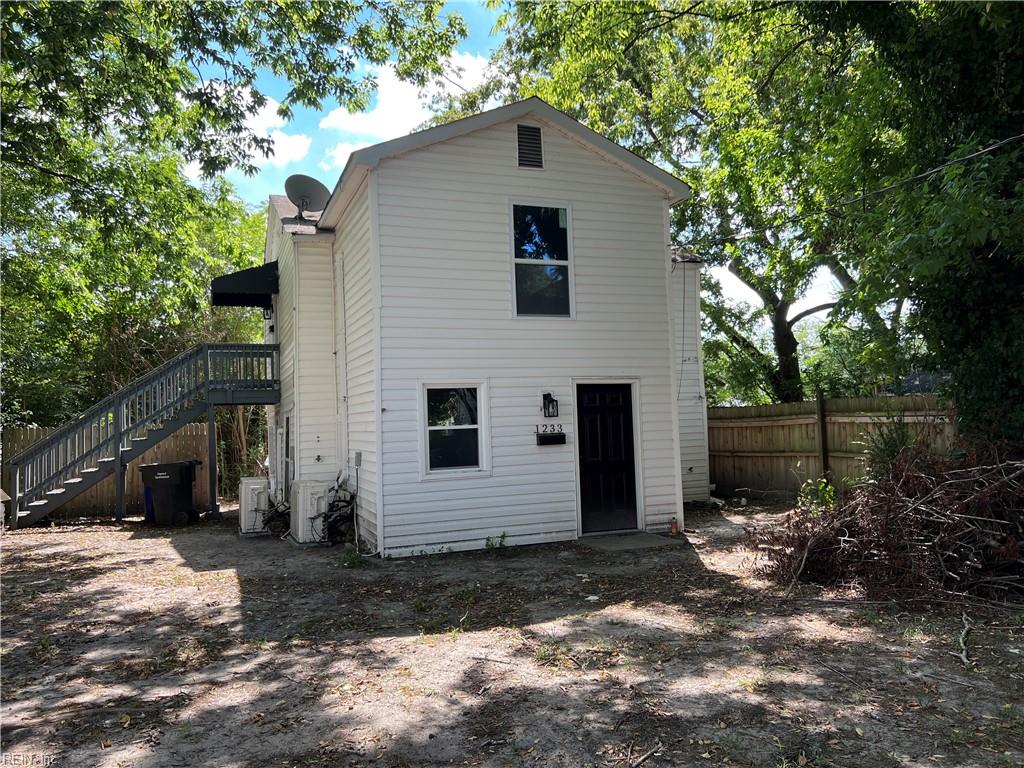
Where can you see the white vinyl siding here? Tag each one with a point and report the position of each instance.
(281, 249)
(447, 315)
(689, 375)
(317, 397)
(353, 256)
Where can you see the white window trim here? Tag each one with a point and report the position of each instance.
(483, 426)
(543, 203)
(543, 153)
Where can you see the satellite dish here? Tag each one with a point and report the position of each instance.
(306, 193)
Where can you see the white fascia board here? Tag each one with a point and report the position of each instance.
(348, 184)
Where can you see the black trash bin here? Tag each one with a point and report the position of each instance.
(170, 486)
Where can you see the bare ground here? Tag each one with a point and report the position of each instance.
(133, 646)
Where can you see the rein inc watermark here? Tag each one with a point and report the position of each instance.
(34, 759)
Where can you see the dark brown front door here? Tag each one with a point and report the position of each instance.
(607, 463)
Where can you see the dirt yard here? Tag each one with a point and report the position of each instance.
(128, 646)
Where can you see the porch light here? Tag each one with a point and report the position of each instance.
(550, 406)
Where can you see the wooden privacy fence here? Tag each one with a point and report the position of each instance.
(779, 447)
(189, 442)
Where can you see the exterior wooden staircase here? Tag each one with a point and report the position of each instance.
(102, 441)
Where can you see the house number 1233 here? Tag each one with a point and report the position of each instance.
(549, 428)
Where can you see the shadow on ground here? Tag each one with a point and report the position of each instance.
(125, 645)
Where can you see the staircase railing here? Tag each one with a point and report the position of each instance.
(243, 366)
(105, 430)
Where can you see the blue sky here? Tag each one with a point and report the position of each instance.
(317, 143)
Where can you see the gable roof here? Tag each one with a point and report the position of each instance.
(362, 161)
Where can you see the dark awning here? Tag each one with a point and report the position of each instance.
(252, 287)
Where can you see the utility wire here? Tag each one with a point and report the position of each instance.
(860, 198)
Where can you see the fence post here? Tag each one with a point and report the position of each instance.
(822, 433)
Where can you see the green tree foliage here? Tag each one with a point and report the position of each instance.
(805, 129)
(84, 312)
(769, 118)
(953, 243)
(851, 361)
(107, 249)
(183, 77)
(737, 367)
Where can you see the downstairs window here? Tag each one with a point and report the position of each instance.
(454, 439)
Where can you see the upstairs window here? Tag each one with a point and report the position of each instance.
(531, 152)
(543, 269)
(453, 428)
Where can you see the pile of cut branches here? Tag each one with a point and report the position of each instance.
(926, 525)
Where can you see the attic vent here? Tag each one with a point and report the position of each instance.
(530, 154)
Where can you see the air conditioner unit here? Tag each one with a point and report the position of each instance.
(253, 501)
(312, 498)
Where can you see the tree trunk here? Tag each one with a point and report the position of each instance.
(787, 383)
(785, 380)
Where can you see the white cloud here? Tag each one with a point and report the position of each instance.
(399, 107)
(468, 69)
(266, 119)
(288, 147)
(337, 156)
(397, 111)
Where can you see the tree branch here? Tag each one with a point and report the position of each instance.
(782, 60)
(52, 173)
(808, 312)
(840, 273)
(848, 283)
(768, 296)
(897, 316)
(665, 22)
(648, 124)
(741, 343)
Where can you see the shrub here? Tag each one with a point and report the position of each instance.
(884, 444)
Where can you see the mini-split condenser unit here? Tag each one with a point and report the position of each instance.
(253, 502)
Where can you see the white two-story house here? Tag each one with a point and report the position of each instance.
(486, 325)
